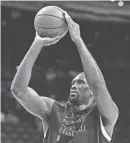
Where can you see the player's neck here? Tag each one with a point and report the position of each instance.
(82, 107)
(85, 106)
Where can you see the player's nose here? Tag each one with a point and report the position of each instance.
(74, 86)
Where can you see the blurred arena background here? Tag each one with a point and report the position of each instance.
(105, 28)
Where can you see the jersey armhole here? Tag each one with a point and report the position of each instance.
(105, 134)
(53, 111)
(48, 118)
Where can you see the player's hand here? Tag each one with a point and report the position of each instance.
(46, 41)
(73, 27)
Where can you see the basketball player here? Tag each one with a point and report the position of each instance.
(89, 115)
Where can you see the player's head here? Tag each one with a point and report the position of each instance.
(80, 92)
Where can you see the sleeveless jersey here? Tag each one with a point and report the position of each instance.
(82, 128)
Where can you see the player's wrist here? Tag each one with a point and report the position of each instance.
(77, 40)
(38, 41)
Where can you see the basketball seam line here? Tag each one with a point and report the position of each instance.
(58, 8)
(50, 15)
(49, 28)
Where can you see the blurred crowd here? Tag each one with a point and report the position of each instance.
(54, 69)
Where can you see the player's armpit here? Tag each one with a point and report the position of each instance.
(35, 104)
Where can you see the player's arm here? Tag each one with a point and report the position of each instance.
(33, 103)
(108, 109)
(26, 96)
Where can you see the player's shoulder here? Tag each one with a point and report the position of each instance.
(47, 99)
(55, 105)
(58, 107)
(59, 104)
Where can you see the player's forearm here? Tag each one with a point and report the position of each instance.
(23, 74)
(91, 69)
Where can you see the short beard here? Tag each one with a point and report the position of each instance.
(74, 101)
(77, 102)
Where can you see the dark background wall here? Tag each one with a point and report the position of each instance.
(109, 43)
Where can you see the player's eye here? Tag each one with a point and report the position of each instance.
(72, 83)
(80, 82)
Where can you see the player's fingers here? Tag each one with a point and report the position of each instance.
(53, 40)
(69, 20)
(67, 17)
(37, 36)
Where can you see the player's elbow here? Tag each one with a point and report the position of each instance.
(116, 114)
(113, 116)
(13, 88)
(16, 92)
